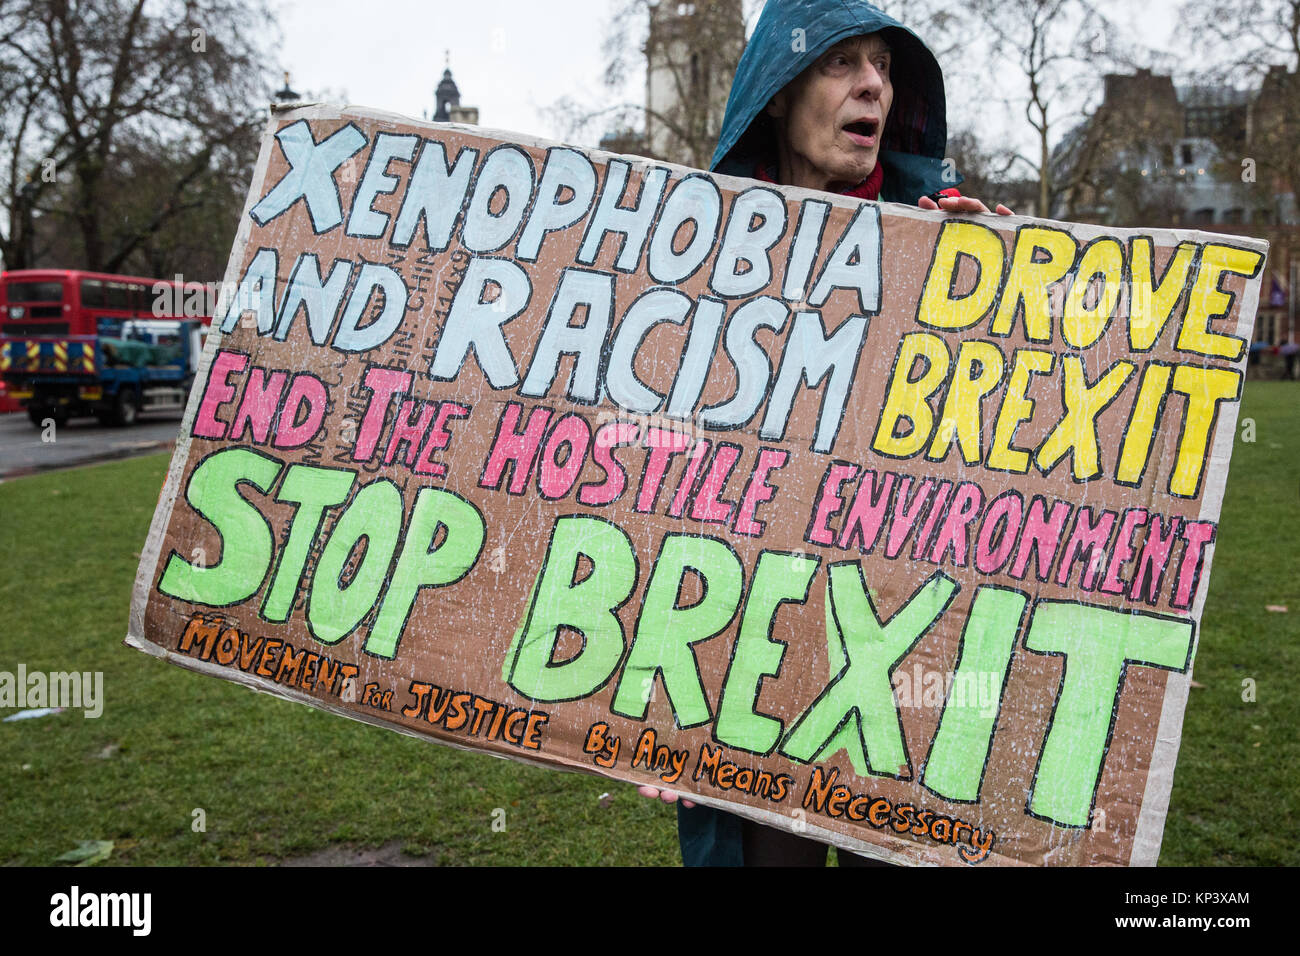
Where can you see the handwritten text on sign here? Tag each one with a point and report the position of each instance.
(889, 526)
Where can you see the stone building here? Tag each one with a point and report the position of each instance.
(1199, 157)
(1157, 154)
(691, 54)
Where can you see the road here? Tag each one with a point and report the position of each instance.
(80, 441)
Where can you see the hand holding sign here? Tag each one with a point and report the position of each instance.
(958, 204)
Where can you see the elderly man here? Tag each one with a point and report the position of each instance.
(837, 96)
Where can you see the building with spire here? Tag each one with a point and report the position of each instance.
(447, 98)
(287, 94)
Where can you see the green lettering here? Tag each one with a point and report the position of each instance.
(423, 566)
(246, 544)
(778, 578)
(857, 710)
(1098, 644)
(955, 765)
(588, 606)
(314, 490)
(665, 631)
(334, 609)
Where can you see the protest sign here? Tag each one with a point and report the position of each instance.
(890, 527)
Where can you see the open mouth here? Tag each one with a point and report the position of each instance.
(863, 132)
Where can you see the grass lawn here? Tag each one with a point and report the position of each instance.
(277, 780)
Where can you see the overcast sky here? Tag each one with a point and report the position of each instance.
(511, 58)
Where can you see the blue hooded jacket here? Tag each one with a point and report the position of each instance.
(789, 37)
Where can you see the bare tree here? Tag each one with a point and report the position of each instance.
(984, 167)
(689, 52)
(1055, 46)
(1246, 37)
(1116, 165)
(943, 25)
(1255, 43)
(120, 115)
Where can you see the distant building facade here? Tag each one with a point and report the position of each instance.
(1195, 157)
(1158, 154)
(691, 54)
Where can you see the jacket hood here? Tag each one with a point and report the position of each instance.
(789, 37)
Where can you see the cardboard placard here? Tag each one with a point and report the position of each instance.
(884, 525)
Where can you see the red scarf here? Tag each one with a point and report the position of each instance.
(869, 188)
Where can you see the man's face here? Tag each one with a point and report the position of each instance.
(833, 114)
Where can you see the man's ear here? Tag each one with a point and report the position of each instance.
(776, 106)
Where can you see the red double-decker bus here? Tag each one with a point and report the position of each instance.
(54, 323)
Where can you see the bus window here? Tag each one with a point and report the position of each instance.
(93, 294)
(35, 291)
(117, 296)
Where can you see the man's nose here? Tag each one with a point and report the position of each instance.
(868, 82)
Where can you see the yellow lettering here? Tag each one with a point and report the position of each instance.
(1082, 325)
(1204, 388)
(962, 409)
(940, 308)
(1076, 432)
(1029, 278)
(1150, 304)
(907, 398)
(1142, 424)
(1207, 301)
(1016, 408)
